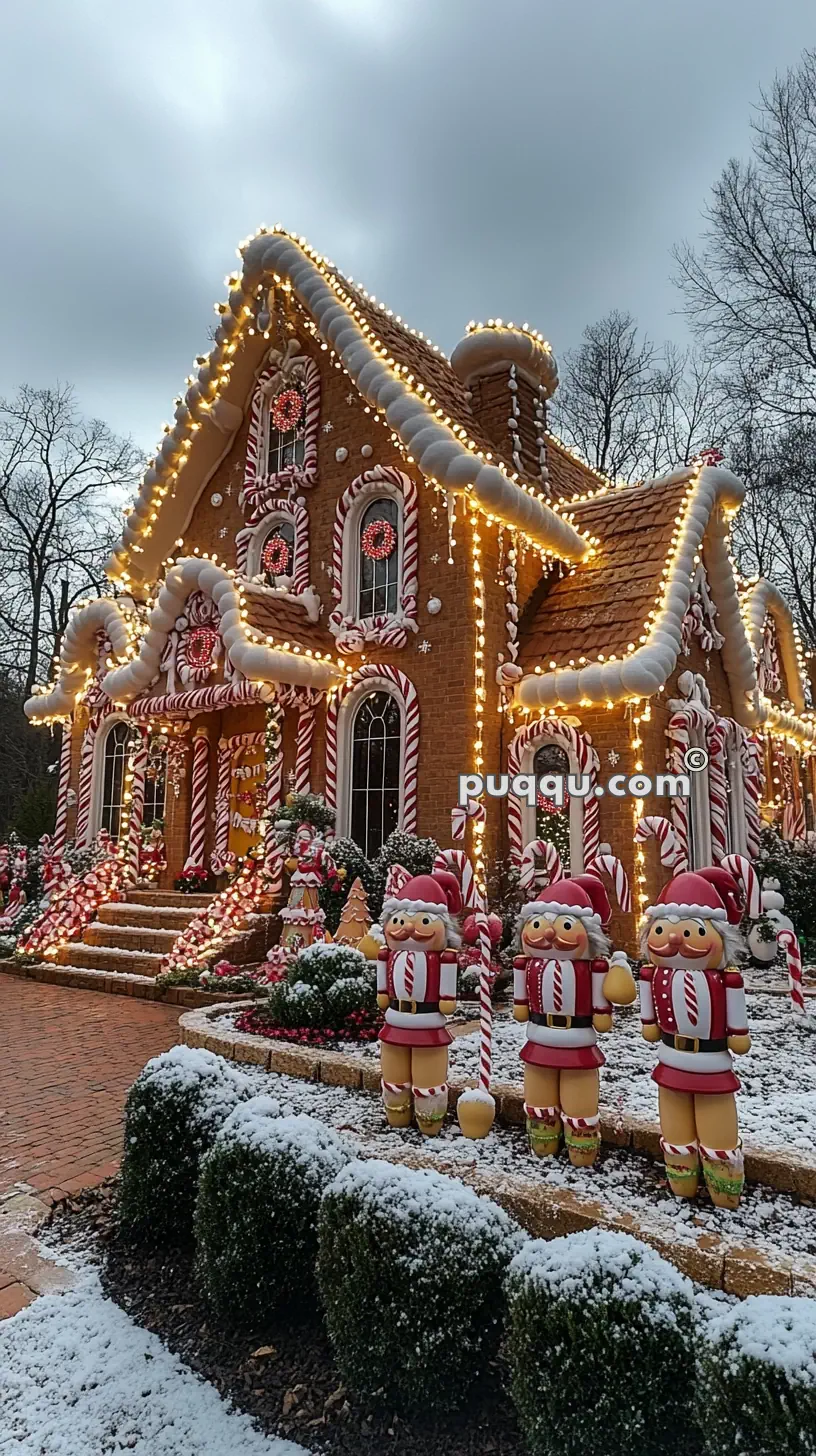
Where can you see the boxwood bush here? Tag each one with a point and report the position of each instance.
(601, 1348)
(758, 1366)
(256, 1219)
(410, 1267)
(173, 1111)
(324, 985)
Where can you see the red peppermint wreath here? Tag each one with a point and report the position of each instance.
(378, 540)
(200, 645)
(549, 806)
(287, 409)
(276, 556)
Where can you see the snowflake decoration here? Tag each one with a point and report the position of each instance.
(350, 397)
(424, 645)
(435, 558)
(328, 427)
(222, 533)
(613, 757)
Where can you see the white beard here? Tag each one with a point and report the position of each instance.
(416, 945)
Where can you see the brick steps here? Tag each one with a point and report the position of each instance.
(162, 898)
(111, 958)
(151, 917)
(131, 937)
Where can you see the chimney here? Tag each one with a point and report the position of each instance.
(510, 372)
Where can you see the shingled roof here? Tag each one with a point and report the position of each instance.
(601, 604)
(287, 621)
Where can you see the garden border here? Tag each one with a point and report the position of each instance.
(544, 1212)
(115, 983)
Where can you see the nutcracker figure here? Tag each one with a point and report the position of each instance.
(416, 988)
(692, 1006)
(565, 984)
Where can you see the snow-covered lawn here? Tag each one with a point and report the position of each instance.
(80, 1379)
(777, 1104)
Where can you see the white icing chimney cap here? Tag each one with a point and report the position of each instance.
(493, 347)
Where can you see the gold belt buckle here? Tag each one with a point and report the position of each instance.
(686, 1043)
(567, 1020)
(408, 1007)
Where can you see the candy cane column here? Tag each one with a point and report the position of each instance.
(61, 825)
(137, 795)
(305, 735)
(198, 799)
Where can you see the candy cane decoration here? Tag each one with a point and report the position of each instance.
(672, 854)
(746, 876)
(389, 630)
(718, 787)
(397, 876)
(198, 800)
(303, 759)
(137, 794)
(86, 768)
(274, 780)
(678, 732)
(751, 760)
(793, 955)
(579, 747)
(460, 815)
(380, 672)
(201, 700)
(228, 750)
(535, 875)
(609, 864)
(258, 484)
(457, 863)
(60, 828)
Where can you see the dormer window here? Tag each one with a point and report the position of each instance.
(283, 432)
(277, 553)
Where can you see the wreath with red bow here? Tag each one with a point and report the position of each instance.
(275, 556)
(200, 646)
(378, 540)
(287, 408)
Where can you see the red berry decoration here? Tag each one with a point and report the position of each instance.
(275, 557)
(200, 646)
(287, 408)
(378, 540)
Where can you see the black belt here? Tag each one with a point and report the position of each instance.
(564, 1023)
(694, 1043)
(414, 1008)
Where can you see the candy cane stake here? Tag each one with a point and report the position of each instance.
(476, 1108)
(672, 853)
(536, 876)
(793, 955)
(609, 864)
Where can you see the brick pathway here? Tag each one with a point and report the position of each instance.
(67, 1060)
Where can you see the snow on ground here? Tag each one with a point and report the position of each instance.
(625, 1182)
(80, 1379)
(777, 1104)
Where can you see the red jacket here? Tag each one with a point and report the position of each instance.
(565, 988)
(410, 975)
(697, 1003)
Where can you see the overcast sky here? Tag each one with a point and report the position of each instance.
(529, 159)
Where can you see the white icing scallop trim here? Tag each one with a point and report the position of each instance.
(758, 602)
(78, 657)
(493, 349)
(442, 457)
(644, 671)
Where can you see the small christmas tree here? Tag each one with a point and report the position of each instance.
(355, 921)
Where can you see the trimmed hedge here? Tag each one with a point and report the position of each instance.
(758, 1367)
(410, 1267)
(173, 1111)
(601, 1348)
(256, 1219)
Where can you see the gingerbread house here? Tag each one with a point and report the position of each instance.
(358, 567)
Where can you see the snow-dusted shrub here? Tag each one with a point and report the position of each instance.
(601, 1347)
(256, 1217)
(324, 985)
(174, 1109)
(410, 1266)
(758, 1388)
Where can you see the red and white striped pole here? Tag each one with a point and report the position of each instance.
(793, 955)
(86, 762)
(198, 799)
(222, 807)
(137, 796)
(303, 761)
(274, 788)
(61, 826)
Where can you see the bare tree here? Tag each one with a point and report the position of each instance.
(750, 289)
(61, 480)
(602, 406)
(689, 410)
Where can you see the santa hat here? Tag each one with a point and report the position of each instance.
(708, 894)
(583, 897)
(436, 894)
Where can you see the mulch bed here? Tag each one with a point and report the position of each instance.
(283, 1373)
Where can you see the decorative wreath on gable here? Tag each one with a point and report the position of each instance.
(276, 557)
(287, 410)
(379, 540)
(196, 642)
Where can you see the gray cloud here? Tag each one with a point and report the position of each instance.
(534, 160)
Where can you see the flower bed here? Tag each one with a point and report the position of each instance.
(358, 1027)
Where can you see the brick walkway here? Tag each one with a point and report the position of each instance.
(67, 1060)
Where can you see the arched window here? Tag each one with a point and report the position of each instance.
(376, 752)
(285, 430)
(117, 746)
(155, 782)
(278, 552)
(552, 821)
(378, 574)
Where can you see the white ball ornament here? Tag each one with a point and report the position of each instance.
(216, 499)
(341, 454)
(433, 606)
(366, 451)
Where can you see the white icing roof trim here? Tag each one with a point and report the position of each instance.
(78, 657)
(759, 600)
(254, 661)
(492, 349)
(432, 444)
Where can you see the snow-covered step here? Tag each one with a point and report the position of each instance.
(131, 937)
(155, 917)
(111, 958)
